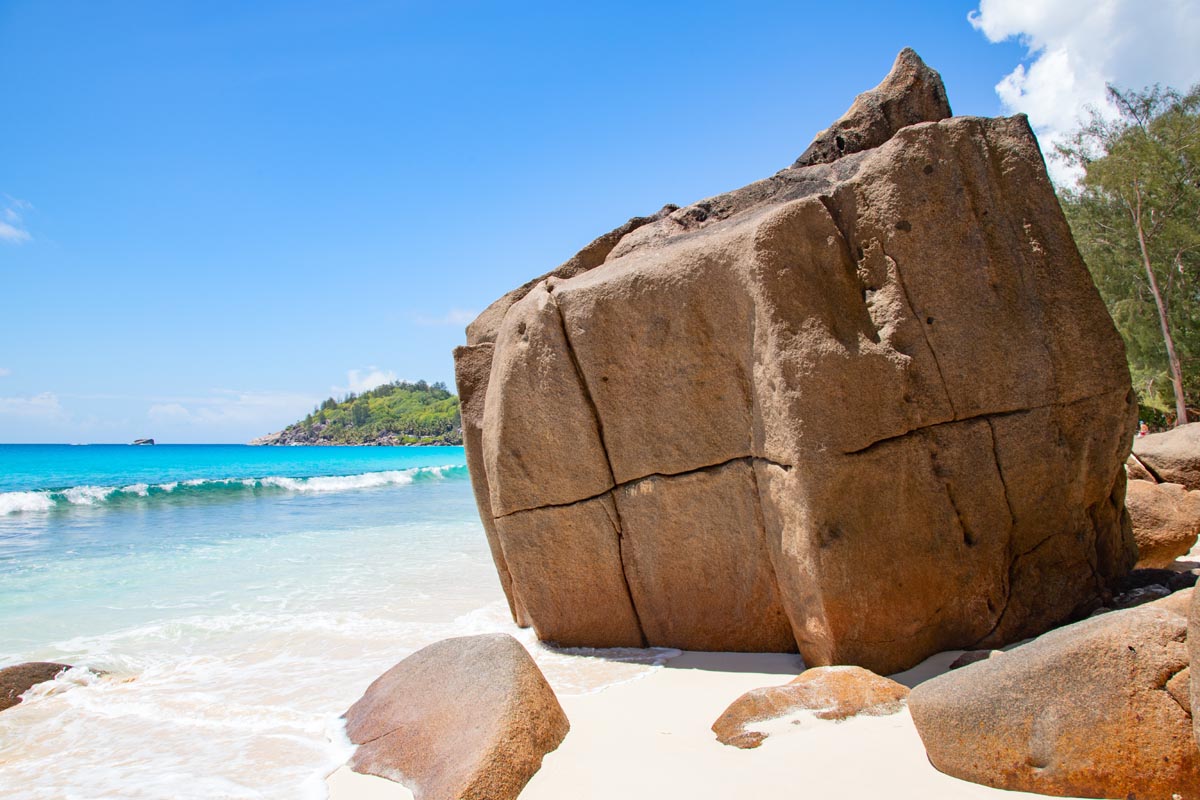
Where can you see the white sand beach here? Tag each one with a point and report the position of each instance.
(650, 738)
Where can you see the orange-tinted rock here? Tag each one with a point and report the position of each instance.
(833, 693)
(1165, 519)
(1172, 456)
(891, 364)
(463, 719)
(1194, 658)
(20, 678)
(1083, 711)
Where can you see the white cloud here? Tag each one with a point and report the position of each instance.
(39, 405)
(455, 316)
(226, 408)
(1075, 47)
(11, 222)
(359, 381)
(4, 373)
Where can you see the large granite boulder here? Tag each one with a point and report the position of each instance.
(829, 693)
(463, 719)
(708, 427)
(1165, 519)
(1172, 456)
(20, 678)
(1090, 710)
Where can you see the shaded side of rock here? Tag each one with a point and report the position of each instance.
(1082, 711)
(1172, 456)
(20, 678)
(911, 93)
(830, 693)
(1165, 519)
(972, 656)
(463, 719)
(1137, 471)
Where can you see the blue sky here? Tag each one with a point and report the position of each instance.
(212, 214)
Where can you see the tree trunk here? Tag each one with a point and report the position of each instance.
(1181, 415)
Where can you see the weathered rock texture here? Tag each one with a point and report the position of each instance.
(20, 678)
(463, 719)
(833, 693)
(1194, 658)
(705, 429)
(1173, 456)
(1094, 709)
(1165, 519)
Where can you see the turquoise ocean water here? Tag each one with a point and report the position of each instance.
(238, 599)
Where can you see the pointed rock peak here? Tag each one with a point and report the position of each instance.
(911, 93)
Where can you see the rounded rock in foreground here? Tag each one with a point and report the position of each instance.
(832, 693)
(1088, 710)
(463, 719)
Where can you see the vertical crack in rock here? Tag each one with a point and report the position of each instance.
(617, 523)
(924, 332)
(760, 519)
(1012, 533)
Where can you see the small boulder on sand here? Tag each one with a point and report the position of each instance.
(833, 693)
(463, 719)
(17, 680)
(1088, 710)
(1165, 519)
(1172, 456)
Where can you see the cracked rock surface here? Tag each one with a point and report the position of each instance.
(871, 407)
(1096, 709)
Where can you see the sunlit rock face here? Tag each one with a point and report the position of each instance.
(870, 407)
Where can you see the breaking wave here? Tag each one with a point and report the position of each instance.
(48, 500)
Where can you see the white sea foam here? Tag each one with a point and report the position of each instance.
(45, 500)
(15, 502)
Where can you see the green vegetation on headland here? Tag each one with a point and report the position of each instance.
(399, 413)
(1135, 215)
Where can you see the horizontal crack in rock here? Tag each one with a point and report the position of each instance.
(987, 415)
(705, 468)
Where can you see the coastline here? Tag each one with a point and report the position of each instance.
(650, 738)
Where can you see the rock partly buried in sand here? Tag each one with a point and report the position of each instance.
(1083, 711)
(19, 679)
(834, 693)
(1165, 519)
(1172, 456)
(707, 427)
(463, 719)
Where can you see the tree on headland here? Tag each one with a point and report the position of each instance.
(1135, 215)
(393, 413)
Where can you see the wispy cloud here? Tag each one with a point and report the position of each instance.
(45, 404)
(12, 223)
(229, 407)
(4, 373)
(455, 316)
(1075, 47)
(362, 380)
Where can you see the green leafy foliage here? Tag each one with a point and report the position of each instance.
(394, 413)
(1136, 218)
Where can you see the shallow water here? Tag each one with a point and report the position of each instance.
(236, 618)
